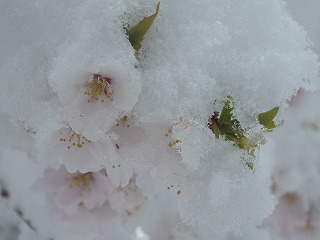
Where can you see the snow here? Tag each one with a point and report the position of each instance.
(77, 101)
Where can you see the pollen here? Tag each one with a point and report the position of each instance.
(79, 180)
(116, 165)
(176, 188)
(174, 143)
(98, 88)
(74, 140)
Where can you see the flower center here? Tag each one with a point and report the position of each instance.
(99, 88)
(79, 180)
(75, 140)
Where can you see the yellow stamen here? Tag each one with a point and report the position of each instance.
(79, 141)
(79, 180)
(99, 87)
(79, 145)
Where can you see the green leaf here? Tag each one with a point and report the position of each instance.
(270, 125)
(225, 114)
(266, 118)
(137, 33)
(215, 129)
(225, 124)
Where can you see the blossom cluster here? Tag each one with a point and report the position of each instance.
(164, 136)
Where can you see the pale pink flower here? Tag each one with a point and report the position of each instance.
(161, 167)
(127, 140)
(126, 200)
(70, 191)
(297, 98)
(292, 220)
(73, 150)
(92, 100)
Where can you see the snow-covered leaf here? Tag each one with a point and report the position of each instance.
(266, 118)
(137, 33)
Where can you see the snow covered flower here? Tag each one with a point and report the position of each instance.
(127, 139)
(72, 190)
(191, 149)
(122, 147)
(81, 99)
(76, 152)
(160, 168)
(98, 69)
(291, 220)
(126, 200)
(295, 173)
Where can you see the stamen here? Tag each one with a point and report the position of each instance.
(79, 180)
(79, 145)
(174, 143)
(99, 87)
(78, 142)
(172, 188)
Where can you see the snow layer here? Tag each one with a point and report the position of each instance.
(146, 134)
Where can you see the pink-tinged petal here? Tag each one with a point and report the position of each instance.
(291, 220)
(101, 182)
(82, 161)
(75, 151)
(52, 180)
(101, 189)
(119, 173)
(124, 200)
(87, 110)
(68, 200)
(130, 136)
(102, 220)
(71, 191)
